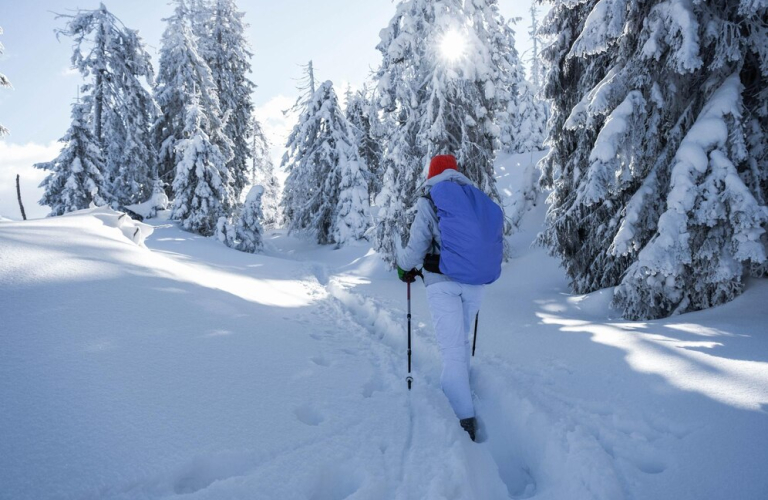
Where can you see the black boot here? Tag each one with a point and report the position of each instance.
(469, 425)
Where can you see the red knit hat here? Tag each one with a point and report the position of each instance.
(440, 164)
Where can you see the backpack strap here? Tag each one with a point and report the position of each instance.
(432, 259)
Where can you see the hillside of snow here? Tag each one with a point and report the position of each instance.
(139, 361)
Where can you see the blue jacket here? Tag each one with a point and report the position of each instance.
(425, 230)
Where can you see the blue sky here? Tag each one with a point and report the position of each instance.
(340, 36)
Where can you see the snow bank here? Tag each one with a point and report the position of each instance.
(149, 208)
(135, 231)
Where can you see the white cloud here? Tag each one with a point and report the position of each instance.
(18, 159)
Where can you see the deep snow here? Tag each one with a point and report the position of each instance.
(187, 369)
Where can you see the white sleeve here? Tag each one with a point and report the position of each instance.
(421, 237)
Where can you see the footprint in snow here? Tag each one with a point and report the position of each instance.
(373, 385)
(309, 415)
(203, 471)
(334, 482)
(320, 361)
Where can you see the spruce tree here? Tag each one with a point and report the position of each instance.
(538, 70)
(246, 232)
(263, 174)
(326, 189)
(115, 64)
(193, 149)
(657, 108)
(4, 82)
(203, 193)
(220, 30)
(528, 125)
(298, 188)
(184, 76)
(76, 177)
(366, 130)
(439, 102)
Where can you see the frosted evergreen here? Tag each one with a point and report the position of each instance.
(202, 189)
(368, 135)
(184, 77)
(76, 179)
(529, 123)
(658, 123)
(220, 30)
(326, 192)
(263, 174)
(246, 232)
(537, 68)
(117, 68)
(148, 209)
(712, 224)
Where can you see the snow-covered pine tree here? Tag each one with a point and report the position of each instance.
(203, 193)
(220, 30)
(112, 58)
(509, 81)
(184, 74)
(245, 233)
(537, 69)
(653, 187)
(366, 130)
(326, 189)
(292, 161)
(445, 82)
(76, 176)
(263, 174)
(528, 126)
(4, 82)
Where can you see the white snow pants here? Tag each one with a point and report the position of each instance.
(453, 306)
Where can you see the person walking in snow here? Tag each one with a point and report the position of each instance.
(457, 236)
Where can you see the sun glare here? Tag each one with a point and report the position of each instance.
(453, 46)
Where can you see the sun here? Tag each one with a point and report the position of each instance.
(453, 45)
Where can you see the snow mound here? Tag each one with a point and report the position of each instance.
(158, 201)
(135, 231)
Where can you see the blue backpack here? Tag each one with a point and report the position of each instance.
(472, 233)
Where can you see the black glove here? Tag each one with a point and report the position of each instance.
(407, 276)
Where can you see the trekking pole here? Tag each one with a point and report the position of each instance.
(409, 379)
(474, 342)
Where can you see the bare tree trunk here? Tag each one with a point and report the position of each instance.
(18, 194)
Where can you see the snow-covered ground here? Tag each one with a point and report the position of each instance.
(186, 369)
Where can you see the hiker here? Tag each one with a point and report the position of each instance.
(454, 275)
